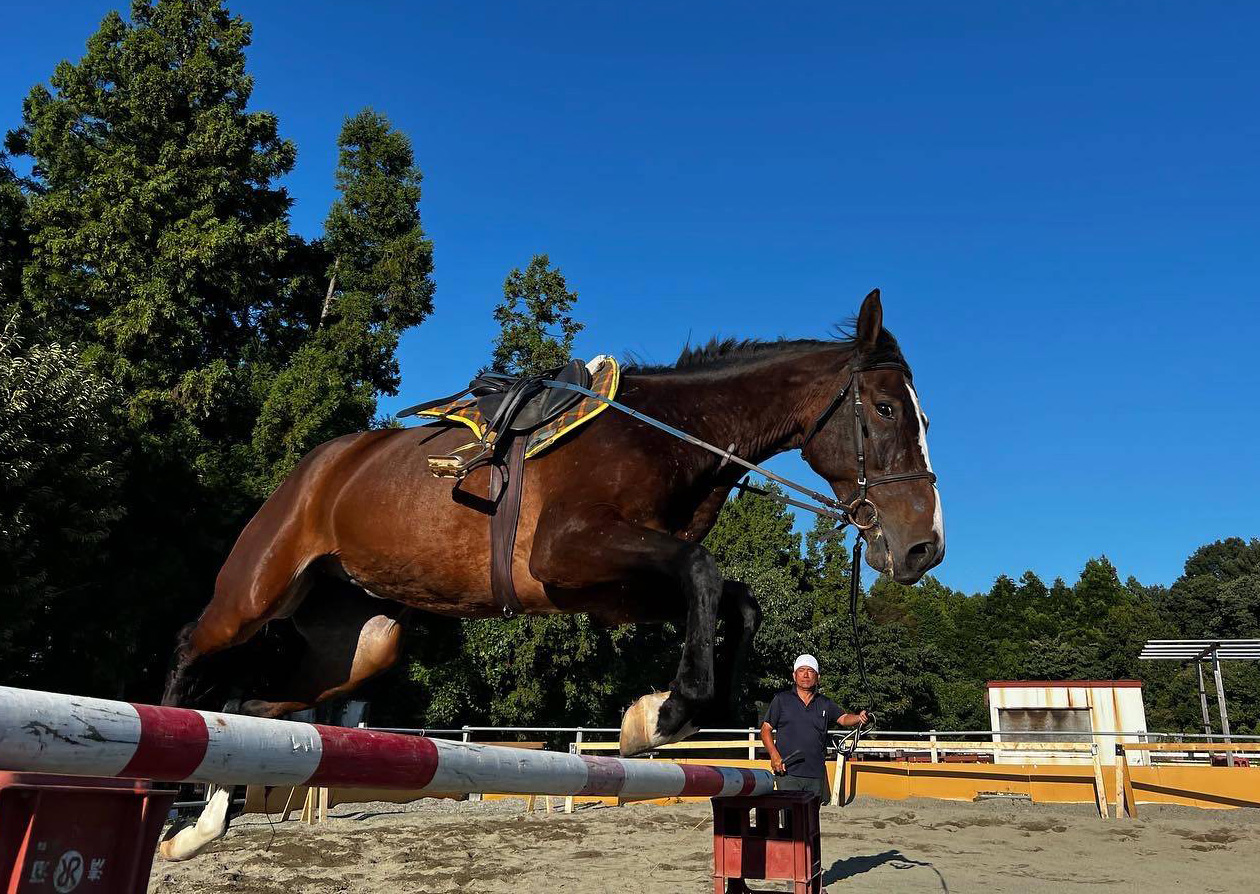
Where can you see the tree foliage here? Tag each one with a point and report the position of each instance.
(536, 328)
(154, 235)
(14, 242)
(58, 502)
(379, 271)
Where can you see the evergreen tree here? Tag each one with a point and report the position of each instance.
(754, 542)
(1225, 559)
(159, 244)
(380, 284)
(536, 328)
(14, 244)
(829, 567)
(157, 237)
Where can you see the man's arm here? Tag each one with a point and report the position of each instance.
(776, 760)
(852, 719)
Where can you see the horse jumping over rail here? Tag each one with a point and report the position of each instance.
(610, 522)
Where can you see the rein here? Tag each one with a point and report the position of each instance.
(848, 745)
(834, 509)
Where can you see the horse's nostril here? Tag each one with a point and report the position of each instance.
(921, 555)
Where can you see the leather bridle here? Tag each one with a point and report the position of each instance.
(860, 435)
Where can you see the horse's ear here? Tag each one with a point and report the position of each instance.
(870, 322)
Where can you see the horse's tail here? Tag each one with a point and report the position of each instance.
(175, 693)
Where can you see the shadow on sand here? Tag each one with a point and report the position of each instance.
(851, 866)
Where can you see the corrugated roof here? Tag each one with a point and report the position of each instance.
(1190, 649)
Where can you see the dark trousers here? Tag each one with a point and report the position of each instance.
(815, 784)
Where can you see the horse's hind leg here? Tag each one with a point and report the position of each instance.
(259, 582)
(348, 638)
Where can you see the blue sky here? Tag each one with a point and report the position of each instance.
(1060, 202)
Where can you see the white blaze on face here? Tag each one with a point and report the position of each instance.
(938, 521)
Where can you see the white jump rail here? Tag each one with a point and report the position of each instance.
(44, 732)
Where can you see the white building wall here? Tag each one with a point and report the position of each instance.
(1111, 708)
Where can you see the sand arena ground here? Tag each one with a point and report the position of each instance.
(916, 845)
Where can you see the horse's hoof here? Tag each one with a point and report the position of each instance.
(641, 726)
(212, 825)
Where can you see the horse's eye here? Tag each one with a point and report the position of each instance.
(884, 410)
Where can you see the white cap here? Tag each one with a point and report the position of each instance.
(805, 661)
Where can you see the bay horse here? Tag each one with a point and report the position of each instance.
(611, 521)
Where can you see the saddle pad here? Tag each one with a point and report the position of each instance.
(605, 377)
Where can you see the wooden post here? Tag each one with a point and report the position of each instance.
(308, 806)
(323, 804)
(1100, 789)
(289, 803)
(752, 749)
(1220, 701)
(936, 756)
(838, 790)
(1207, 721)
(1124, 785)
(1119, 774)
(576, 748)
(1129, 798)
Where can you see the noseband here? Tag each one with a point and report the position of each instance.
(860, 435)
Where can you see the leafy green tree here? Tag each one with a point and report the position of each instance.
(14, 243)
(157, 236)
(1225, 559)
(159, 243)
(754, 542)
(58, 502)
(379, 285)
(536, 328)
(829, 565)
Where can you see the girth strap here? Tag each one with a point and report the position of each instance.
(505, 493)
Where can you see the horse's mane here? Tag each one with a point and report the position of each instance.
(733, 352)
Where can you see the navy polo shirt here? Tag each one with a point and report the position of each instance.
(802, 728)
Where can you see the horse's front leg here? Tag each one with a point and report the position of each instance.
(609, 549)
(741, 617)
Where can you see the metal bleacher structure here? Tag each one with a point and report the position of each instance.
(1199, 651)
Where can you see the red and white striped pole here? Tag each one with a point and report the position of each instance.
(45, 732)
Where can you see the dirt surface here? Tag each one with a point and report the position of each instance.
(917, 845)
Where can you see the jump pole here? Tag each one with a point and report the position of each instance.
(44, 732)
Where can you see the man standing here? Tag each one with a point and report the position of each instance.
(799, 718)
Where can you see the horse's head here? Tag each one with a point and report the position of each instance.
(872, 423)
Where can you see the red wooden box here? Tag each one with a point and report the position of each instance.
(772, 836)
(62, 834)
